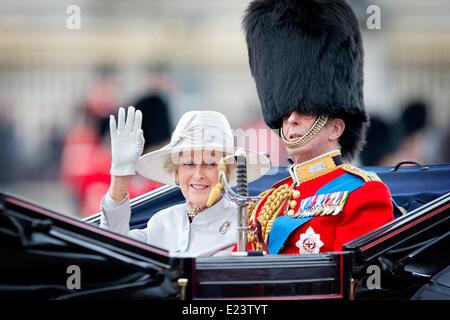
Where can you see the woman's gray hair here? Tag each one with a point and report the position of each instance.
(169, 166)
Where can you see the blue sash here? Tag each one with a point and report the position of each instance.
(283, 226)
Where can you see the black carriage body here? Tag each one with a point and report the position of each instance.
(37, 245)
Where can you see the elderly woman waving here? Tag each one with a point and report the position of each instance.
(189, 161)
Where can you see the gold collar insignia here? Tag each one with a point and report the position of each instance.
(316, 167)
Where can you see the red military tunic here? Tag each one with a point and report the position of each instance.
(365, 209)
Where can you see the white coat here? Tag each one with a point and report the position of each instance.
(212, 232)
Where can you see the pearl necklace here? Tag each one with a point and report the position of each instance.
(193, 212)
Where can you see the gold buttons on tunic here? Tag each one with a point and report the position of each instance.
(292, 204)
(295, 194)
(290, 212)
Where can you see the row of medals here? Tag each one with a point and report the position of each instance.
(326, 204)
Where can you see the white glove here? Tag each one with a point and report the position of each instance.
(127, 142)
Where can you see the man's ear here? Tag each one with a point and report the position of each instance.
(337, 129)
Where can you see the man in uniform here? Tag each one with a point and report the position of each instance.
(306, 58)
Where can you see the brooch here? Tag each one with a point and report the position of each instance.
(224, 227)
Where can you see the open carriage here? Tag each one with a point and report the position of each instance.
(406, 258)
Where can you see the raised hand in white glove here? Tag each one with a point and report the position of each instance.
(127, 142)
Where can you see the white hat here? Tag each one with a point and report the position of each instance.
(199, 130)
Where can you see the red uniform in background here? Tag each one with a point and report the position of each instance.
(86, 157)
(85, 169)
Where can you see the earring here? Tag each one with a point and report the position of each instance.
(177, 182)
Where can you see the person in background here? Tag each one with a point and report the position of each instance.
(85, 159)
(157, 126)
(445, 146)
(86, 152)
(418, 140)
(412, 123)
(381, 147)
(12, 157)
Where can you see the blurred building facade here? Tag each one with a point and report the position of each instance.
(46, 69)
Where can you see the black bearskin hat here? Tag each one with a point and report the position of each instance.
(307, 55)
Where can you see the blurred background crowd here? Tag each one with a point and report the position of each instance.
(59, 85)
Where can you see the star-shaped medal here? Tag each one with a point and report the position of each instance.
(309, 242)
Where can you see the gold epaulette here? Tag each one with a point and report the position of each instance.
(282, 181)
(273, 200)
(272, 208)
(263, 195)
(365, 175)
